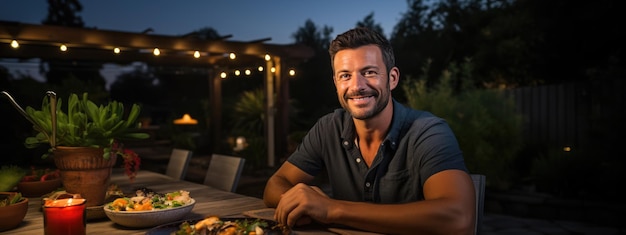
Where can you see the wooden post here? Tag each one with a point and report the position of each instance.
(269, 112)
(216, 111)
(282, 104)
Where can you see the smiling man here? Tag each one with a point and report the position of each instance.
(391, 169)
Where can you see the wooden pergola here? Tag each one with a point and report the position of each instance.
(87, 44)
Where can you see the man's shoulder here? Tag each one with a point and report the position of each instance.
(411, 114)
(407, 118)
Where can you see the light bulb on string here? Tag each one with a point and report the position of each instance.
(15, 44)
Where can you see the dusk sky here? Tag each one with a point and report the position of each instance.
(245, 20)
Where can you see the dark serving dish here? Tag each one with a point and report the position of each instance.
(171, 228)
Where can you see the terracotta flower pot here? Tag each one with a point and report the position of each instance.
(84, 171)
(12, 215)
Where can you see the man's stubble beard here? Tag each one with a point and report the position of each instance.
(381, 100)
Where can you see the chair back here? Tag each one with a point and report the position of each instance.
(224, 172)
(177, 165)
(479, 187)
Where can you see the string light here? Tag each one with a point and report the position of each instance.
(196, 54)
(15, 44)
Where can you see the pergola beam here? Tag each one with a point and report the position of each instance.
(108, 39)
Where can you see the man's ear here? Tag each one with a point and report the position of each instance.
(394, 77)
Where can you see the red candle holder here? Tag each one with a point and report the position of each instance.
(64, 216)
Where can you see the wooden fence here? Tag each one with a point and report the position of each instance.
(571, 114)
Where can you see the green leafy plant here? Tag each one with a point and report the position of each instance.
(10, 199)
(85, 124)
(10, 176)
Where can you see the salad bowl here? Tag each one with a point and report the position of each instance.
(148, 218)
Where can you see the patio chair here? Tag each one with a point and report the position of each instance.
(479, 187)
(224, 172)
(177, 165)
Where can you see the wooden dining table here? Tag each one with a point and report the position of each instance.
(209, 201)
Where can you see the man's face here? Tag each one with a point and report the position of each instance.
(361, 81)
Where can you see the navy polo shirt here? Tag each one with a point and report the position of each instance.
(417, 146)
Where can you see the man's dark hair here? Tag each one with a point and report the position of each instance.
(362, 36)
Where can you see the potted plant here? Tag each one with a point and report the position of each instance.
(85, 140)
(13, 209)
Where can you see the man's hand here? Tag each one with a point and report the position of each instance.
(301, 205)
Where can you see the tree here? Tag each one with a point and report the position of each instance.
(369, 23)
(581, 41)
(65, 13)
(310, 35)
(512, 43)
(314, 86)
(205, 33)
(444, 32)
(138, 86)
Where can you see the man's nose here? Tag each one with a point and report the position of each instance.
(358, 81)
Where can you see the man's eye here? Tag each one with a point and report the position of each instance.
(343, 76)
(370, 73)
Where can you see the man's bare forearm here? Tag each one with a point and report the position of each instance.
(275, 187)
(425, 217)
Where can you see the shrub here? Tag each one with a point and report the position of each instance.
(484, 121)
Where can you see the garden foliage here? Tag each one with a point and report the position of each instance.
(485, 121)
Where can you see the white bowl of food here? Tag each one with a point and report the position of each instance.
(149, 210)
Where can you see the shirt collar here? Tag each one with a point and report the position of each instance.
(348, 134)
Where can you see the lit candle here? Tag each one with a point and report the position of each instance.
(64, 216)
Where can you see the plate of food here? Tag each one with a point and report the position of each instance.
(148, 208)
(223, 226)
